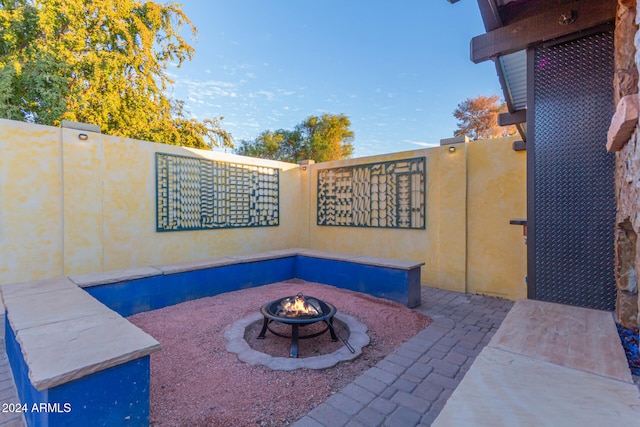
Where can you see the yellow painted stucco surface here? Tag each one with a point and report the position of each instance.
(82, 181)
(496, 251)
(129, 211)
(452, 221)
(72, 206)
(30, 202)
(467, 245)
(412, 244)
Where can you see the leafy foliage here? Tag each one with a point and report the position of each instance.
(478, 118)
(317, 138)
(101, 62)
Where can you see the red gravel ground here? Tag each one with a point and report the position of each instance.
(196, 382)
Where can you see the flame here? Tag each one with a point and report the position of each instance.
(298, 306)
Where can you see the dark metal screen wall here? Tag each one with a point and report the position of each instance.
(574, 191)
(199, 194)
(387, 194)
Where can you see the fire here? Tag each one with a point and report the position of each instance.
(299, 306)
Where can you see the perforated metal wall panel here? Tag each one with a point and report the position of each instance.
(574, 191)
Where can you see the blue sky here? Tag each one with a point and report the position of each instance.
(396, 69)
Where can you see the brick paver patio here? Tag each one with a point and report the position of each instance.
(411, 385)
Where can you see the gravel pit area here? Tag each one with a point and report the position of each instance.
(196, 382)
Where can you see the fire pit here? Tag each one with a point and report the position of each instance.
(297, 311)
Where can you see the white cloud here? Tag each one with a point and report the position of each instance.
(197, 90)
(262, 93)
(423, 144)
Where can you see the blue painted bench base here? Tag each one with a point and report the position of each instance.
(402, 286)
(116, 396)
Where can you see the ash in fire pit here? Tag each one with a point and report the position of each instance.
(299, 311)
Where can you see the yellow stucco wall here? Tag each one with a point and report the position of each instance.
(31, 237)
(82, 180)
(441, 245)
(70, 206)
(452, 227)
(391, 243)
(129, 211)
(496, 251)
(467, 245)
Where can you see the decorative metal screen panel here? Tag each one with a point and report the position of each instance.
(197, 194)
(389, 195)
(574, 196)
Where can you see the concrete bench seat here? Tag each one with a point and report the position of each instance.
(95, 279)
(141, 289)
(547, 365)
(60, 341)
(104, 278)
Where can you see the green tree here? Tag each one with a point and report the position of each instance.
(324, 138)
(478, 118)
(329, 137)
(101, 62)
(275, 145)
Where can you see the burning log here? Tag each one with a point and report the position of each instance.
(299, 306)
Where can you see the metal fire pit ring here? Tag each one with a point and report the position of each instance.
(269, 312)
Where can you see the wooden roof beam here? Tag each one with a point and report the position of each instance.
(490, 15)
(557, 21)
(506, 119)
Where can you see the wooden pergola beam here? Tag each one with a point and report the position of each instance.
(506, 119)
(554, 22)
(490, 15)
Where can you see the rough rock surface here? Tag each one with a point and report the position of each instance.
(627, 56)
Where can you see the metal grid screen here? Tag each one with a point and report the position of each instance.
(201, 194)
(574, 207)
(388, 195)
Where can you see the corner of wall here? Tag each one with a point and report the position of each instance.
(306, 169)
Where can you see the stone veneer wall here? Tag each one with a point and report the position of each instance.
(627, 58)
